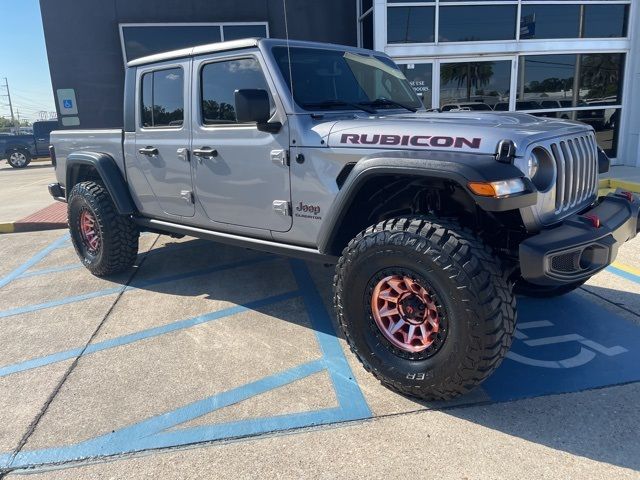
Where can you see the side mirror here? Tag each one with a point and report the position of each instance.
(252, 105)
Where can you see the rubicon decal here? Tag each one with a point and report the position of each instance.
(410, 140)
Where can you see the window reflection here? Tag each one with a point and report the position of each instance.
(411, 25)
(420, 78)
(469, 83)
(477, 23)
(564, 81)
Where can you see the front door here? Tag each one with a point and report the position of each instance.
(163, 136)
(241, 176)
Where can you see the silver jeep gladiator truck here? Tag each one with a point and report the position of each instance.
(435, 220)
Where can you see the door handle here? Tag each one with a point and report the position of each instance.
(205, 152)
(148, 151)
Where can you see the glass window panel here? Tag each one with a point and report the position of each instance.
(474, 85)
(220, 80)
(365, 5)
(147, 40)
(147, 100)
(547, 79)
(601, 77)
(168, 103)
(605, 122)
(411, 25)
(234, 32)
(334, 79)
(603, 21)
(367, 31)
(477, 23)
(549, 21)
(420, 79)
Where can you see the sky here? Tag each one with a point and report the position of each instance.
(23, 60)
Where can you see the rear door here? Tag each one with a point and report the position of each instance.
(245, 180)
(163, 134)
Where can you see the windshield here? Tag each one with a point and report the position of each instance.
(331, 79)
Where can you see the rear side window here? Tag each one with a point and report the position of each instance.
(219, 82)
(163, 98)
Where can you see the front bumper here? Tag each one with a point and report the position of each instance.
(577, 249)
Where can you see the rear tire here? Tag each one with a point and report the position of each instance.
(522, 287)
(468, 298)
(105, 241)
(18, 158)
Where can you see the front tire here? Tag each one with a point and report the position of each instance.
(19, 158)
(105, 241)
(425, 306)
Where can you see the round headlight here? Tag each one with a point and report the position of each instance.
(532, 164)
(542, 169)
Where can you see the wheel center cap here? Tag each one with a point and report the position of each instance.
(412, 308)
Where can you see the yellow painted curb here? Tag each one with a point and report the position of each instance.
(7, 227)
(611, 184)
(627, 268)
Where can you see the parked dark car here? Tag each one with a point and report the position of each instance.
(19, 150)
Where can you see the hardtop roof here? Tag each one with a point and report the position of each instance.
(238, 45)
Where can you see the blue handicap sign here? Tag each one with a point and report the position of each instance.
(68, 103)
(566, 345)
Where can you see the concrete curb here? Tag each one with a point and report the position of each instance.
(49, 218)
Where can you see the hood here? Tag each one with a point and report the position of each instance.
(474, 132)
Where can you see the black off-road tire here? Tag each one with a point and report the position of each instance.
(25, 158)
(522, 287)
(118, 234)
(478, 307)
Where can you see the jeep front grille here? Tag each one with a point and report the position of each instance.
(577, 165)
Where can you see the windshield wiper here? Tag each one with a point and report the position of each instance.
(378, 102)
(338, 103)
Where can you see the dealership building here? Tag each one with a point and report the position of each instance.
(555, 58)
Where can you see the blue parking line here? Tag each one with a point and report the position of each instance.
(73, 266)
(152, 433)
(143, 334)
(32, 261)
(624, 274)
(348, 391)
(140, 285)
(45, 271)
(144, 435)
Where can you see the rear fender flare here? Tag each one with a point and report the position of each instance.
(108, 171)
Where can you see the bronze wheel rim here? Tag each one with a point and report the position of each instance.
(89, 232)
(406, 313)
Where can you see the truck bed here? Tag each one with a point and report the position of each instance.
(109, 141)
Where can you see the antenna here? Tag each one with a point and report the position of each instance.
(286, 30)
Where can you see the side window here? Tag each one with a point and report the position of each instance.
(220, 80)
(163, 98)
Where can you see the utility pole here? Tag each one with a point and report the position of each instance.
(8, 95)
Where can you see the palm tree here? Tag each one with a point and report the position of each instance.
(474, 74)
(600, 73)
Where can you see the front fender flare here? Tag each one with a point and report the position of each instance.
(460, 168)
(109, 173)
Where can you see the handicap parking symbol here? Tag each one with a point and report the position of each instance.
(563, 345)
(67, 103)
(588, 349)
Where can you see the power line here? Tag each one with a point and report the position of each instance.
(8, 95)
